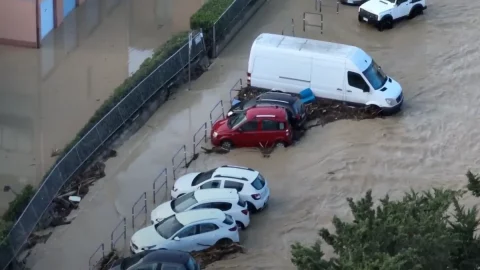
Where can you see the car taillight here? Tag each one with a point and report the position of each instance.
(249, 78)
(234, 228)
(245, 212)
(256, 196)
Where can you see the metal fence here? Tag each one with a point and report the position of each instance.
(91, 142)
(227, 21)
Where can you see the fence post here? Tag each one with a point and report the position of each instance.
(125, 232)
(214, 50)
(338, 6)
(293, 32)
(185, 154)
(205, 132)
(145, 200)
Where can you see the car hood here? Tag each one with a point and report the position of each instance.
(377, 6)
(162, 211)
(185, 182)
(147, 237)
(221, 126)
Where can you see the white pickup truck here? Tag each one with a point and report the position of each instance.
(383, 13)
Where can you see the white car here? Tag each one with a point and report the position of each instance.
(250, 184)
(383, 13)
(226, 200)
(187, 231)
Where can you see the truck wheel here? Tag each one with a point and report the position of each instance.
(385, 23)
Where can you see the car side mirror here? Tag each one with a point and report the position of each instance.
(366, 89)
(176, 238)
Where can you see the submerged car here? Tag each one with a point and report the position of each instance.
(293, 105)
(254, 127)
(187, 231)
(252, 187)
(224, 199)
(157, 259)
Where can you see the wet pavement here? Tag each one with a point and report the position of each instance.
(46, 95)
(430, 144)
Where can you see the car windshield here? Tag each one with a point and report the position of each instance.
(168, 227)
(236, 119)
(184, 202)
(202, 177)
(375, 75)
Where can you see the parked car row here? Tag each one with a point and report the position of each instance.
(207, 208)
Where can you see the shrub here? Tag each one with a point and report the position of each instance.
(207, 15)
(16, 207)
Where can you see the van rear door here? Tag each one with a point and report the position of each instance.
(328, 79)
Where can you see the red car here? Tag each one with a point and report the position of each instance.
(256, 126)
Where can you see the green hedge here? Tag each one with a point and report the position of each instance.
(207, 15)
(17, 206)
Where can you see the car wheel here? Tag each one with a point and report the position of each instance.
(360, 19)
(240, 225)
(386, 23)
(224, 242)
(227, 144)
(417, 10)
(251, 207)
(280, 144)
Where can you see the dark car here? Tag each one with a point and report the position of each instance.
(157, 260)
(292, 104)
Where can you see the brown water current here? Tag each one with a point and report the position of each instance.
(47, 95)
(430, 144)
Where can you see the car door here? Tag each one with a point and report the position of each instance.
(270, 132)
(208, 235)
(211, 184)
(246, 135)
(401, 9)
(185, 239)
(355, 89)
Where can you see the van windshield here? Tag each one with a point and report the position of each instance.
(236, 119)
(375, 75)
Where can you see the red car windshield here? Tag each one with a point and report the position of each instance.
(236, 119)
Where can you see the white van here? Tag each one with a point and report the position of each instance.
(333, 71)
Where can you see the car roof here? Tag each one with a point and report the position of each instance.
(277, 96)
(260, 112)
(232, 171)
(216, 194)
(192, 216)
(167, 256)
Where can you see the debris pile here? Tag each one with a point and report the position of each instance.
(216, 253)
(107, 261)
(322, 110)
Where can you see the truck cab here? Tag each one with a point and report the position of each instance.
(383, 13)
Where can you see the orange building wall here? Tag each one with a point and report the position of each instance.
(18, 23)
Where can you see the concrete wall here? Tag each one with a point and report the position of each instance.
(18, 23)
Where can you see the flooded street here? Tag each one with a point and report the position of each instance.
(47, 95)
(430, 144)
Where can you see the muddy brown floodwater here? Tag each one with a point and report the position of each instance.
(431, 143)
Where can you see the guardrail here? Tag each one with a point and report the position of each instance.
(237, 87)
(160, 183)
(222, 115)
(80, 154)
(144, 209)
(93, 261)
(163, 185)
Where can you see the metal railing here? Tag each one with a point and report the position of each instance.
(227, 21)
(96, 257)
(92, 141)
(197, 141)
(164, 184)
(114, 239)
(183, 160)
(135, 214)
(215, 108)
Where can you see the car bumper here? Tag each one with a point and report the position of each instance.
(392, 110)
(215, 141)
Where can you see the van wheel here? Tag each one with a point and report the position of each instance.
(280, 144)
(227, 144)
(385, 23)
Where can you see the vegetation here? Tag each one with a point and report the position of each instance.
(207, 15)
(429, 230)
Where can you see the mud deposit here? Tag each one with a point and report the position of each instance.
(323, 111)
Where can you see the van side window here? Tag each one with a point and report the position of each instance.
(355, 80)
(250, 126)
(269, 125)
